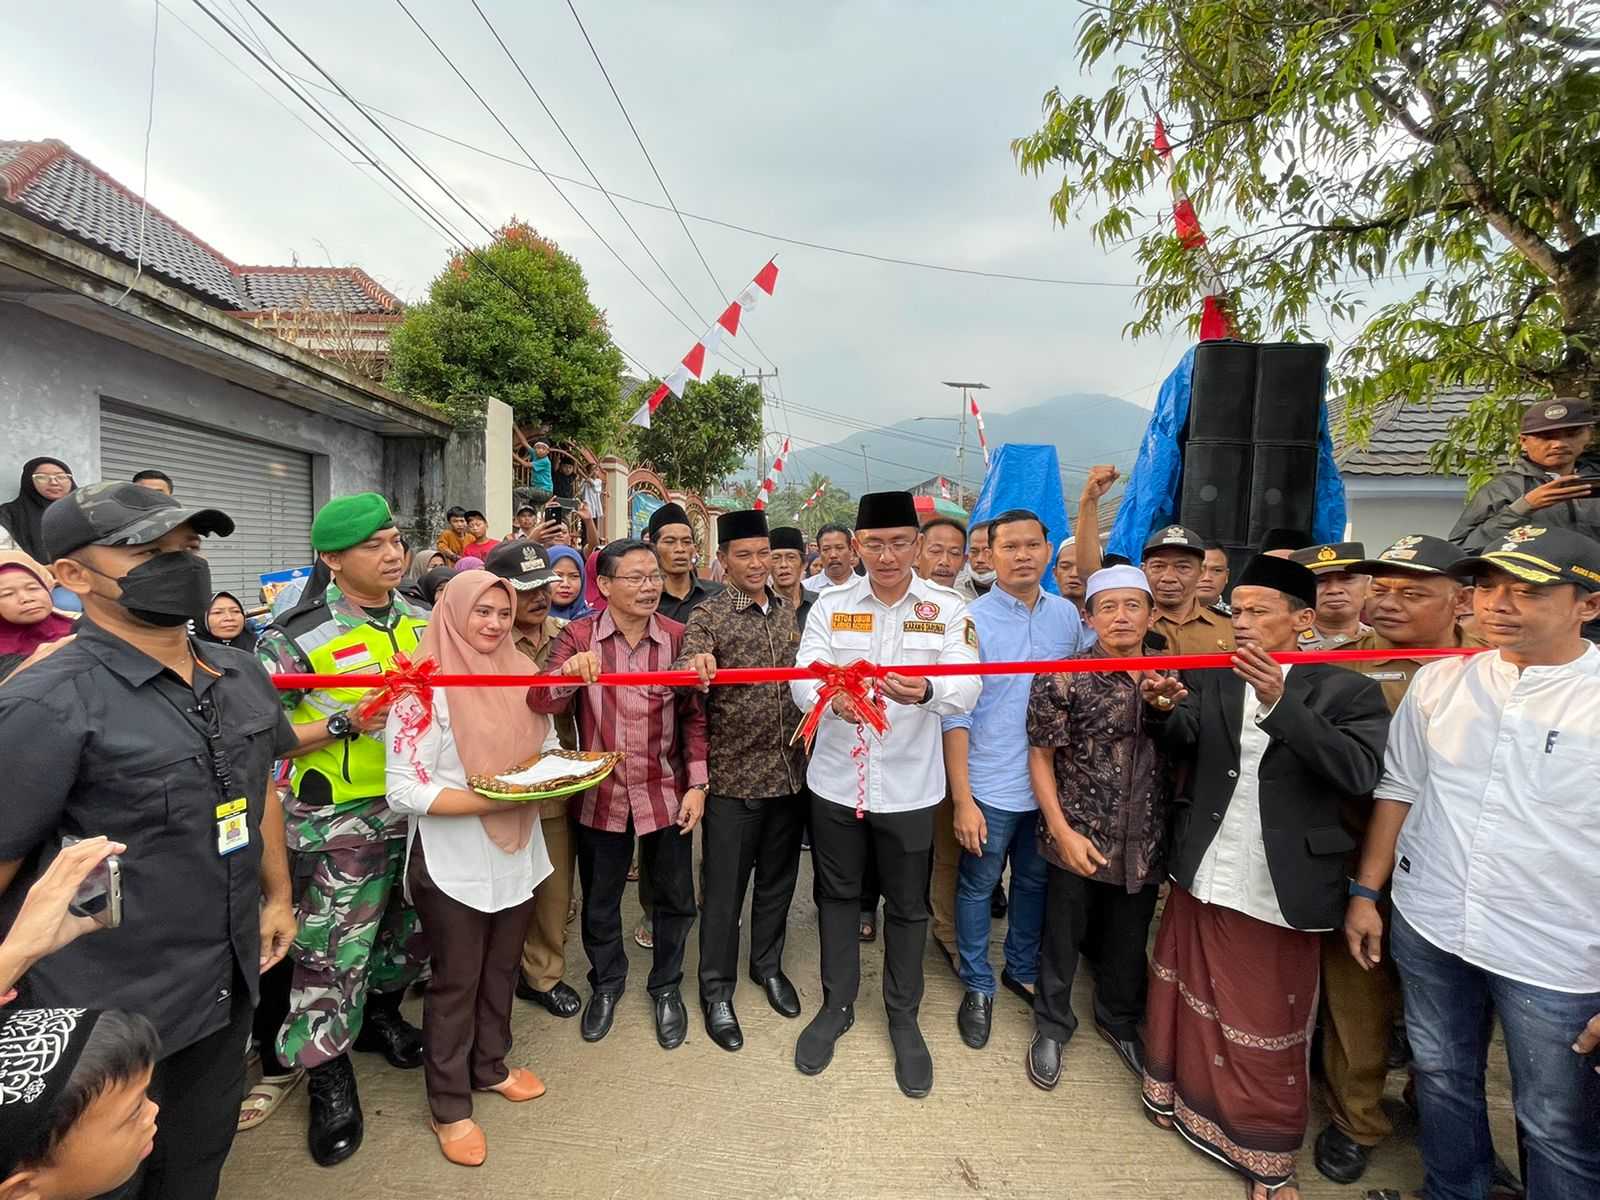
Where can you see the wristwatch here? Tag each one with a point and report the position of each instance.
(927, 690)
(1366, 893)
(340, 726)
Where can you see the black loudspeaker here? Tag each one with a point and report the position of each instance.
(1289, 384)
(1283, 485)
(1215, 497)
(1222, 393)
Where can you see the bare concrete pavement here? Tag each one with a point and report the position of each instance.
(624, 1118)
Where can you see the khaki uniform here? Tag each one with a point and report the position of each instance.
(1360, 1007)
(544, 949)
(1204, 631)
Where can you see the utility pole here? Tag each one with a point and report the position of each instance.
(761, 377)
(865, 470)
(961, 451)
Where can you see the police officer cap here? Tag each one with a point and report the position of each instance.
(1335, 556)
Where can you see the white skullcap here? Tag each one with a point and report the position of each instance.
(1120, 576)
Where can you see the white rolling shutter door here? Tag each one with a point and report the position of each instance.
(266, 489)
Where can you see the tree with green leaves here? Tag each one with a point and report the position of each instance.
(696, 439)
(836, 505)
(1426, 174)
(513, 320)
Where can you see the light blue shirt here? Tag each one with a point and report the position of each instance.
(997, 754)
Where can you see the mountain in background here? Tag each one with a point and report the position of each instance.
(1086, 428)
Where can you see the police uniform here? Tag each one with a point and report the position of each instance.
(1324, 560)
(1204, 630)
(880, 792)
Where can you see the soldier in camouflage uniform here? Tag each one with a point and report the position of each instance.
(359, 943)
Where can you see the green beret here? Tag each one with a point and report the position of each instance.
(349, 520)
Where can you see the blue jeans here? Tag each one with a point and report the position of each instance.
(1013, 833)
(1555, 1093)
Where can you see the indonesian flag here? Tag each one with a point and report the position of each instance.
(1214, 320)
(770, 483)
(815, 496)
(983, 437)
(944, 488)
(693, 365)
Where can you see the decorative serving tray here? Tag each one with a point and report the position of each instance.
(547, 776)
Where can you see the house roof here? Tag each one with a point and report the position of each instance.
(48, 183)
(1403, 435)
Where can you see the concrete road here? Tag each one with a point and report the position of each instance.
(623, 1118)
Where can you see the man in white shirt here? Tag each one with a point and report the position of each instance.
(838, 561)
(880, 794)
(1488, 819)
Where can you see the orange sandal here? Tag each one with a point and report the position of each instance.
(521, 1084)
(467, 1148)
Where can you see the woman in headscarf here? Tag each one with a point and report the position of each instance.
(472, 862)
(223, 623)
(44, 481)
(432, 583)
(567, 601)
(27, 619)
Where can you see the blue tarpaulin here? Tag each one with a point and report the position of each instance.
(1024, 476)
(1151, 499)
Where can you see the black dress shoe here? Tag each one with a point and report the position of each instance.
(336, 1122)
(974, 1018)
(1044, 1062)
(814, 1051)
(560, 1001)
(1340, 1158)
(1015, 986)
(384, 1031)
(1129, 1049)
(781, 994)
(913, 1065)
(672, 1020)
(722, 1025)
(598, 1016)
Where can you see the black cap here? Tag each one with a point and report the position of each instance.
(887, 510)
(1334, 556)
(1556, 414)
(1416, 554)
(1175, 537)
(1291, 578)
(121, 514)
(746, 523)
(1536, 554)
(524, 565)
(668, 514)
(787, 537)
(1285, 539)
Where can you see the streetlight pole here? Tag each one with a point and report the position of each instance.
(961, 451)
(865, 470)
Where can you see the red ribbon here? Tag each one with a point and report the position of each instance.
(403, 678)
(849, 681)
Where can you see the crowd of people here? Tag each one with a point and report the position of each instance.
(1271, 871)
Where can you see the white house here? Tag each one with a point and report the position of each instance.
(1390, 488)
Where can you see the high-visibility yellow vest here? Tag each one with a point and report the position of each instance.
(353, 767)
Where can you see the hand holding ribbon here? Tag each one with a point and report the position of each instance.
(850, 683)
(403, 678)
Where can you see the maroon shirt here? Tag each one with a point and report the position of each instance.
(661, 731)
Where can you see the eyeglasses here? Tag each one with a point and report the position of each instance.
(637, 580)
(876, 549)
(42, 478)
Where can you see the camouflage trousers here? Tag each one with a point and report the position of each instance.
(357, 934)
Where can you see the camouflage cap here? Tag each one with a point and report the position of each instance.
(121, 514)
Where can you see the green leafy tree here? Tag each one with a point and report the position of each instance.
(1339, 153)
(835, 506)
(698, 438)
(513, 321)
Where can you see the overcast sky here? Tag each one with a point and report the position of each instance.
(876, 126)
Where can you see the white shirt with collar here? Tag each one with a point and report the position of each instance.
(1233, 872)
(1498, 858)
(929, 624)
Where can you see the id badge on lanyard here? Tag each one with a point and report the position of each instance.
(233, 826)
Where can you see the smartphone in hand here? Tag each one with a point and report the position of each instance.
(100, 895)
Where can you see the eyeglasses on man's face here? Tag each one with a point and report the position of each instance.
(638, 580)
(898, 546)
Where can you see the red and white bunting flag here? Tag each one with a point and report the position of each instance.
(983, 437)
(815, 496)
(1214, 320)
(694, 363)
(770, 483)
(944, 488)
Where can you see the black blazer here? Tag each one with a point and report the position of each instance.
(1328, 734)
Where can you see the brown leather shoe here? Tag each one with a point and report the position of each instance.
(466, 1149)
(522, 1084)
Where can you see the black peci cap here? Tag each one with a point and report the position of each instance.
(746, 523)
(787, 537)
(1291, 578)
(887, 510)
(1285, 539)
(668, 514)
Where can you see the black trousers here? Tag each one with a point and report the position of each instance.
(903, 845)
(199, 1089)
(271, 1013)
(741, 837)
(1119, 926)
(603, 859)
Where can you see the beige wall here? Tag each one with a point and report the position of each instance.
(497, 465)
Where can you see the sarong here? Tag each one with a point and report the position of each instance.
(1228, 1034)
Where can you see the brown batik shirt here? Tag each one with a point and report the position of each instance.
(749, 755)
(1111, 780)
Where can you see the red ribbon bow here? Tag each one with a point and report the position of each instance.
(851, 682)
(403, 678)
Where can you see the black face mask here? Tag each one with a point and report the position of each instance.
(167, 590)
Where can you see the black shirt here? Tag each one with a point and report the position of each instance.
(99, 738)
(678, 608)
